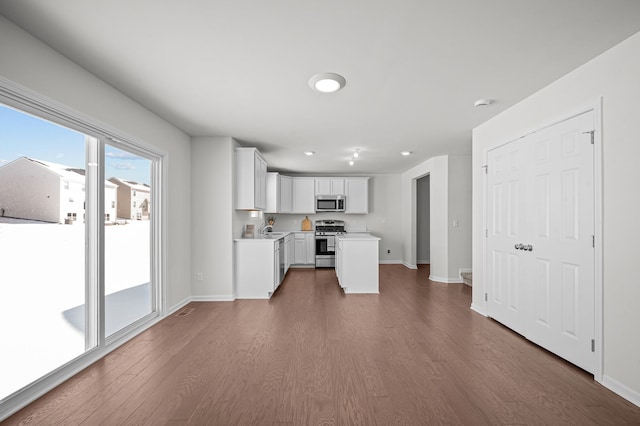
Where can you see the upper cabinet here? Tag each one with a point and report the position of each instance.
(303, 195)
(286, 194)
(274, 185)
(330, 186)
(251, 179)
(357, 193)
(279, 193)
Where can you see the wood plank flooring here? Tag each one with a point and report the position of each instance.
(415, 354)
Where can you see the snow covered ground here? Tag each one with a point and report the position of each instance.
(42, 292)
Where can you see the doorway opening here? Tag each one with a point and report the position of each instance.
(423, 218)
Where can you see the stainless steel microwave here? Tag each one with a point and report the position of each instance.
(330, 203)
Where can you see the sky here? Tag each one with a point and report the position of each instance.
(23, 135)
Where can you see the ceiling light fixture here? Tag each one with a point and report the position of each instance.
(355, 155)
(327, 82)
(405, 153)
(309, 153)
(483, 102)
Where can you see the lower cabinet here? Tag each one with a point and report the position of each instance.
(304, 247)
(357, 263)
(256, 268)
(288, 252)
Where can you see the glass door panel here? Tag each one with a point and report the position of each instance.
(42, 248)
(129, 295)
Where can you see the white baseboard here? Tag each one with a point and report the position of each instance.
(410, 266)
(175, 308)
(390, 262)
(445, 280)
(220, 298)
(631, 395)
(478, 309)
(463, 270)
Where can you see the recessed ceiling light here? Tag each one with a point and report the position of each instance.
(405, 153)
(309, 153)
(356, 153)
(483, 102)
(327, 82)
(351, 162)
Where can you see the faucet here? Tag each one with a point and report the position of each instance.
(269, 227)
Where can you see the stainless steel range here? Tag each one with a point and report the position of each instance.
(326, 231)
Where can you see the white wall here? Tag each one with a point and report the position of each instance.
(383, 219)
(614, 76)
(423, 227)
(212, 217)
(38, 68)
(459, 215)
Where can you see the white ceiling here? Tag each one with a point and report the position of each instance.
(413, 67)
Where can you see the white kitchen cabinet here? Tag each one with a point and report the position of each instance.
(303, 195)
(251, 179)
(256, 268)
(273, 193)
(288, 250)
(357, 263)
(357, 193)
(310, 242)
(330, 186)
(304, 248)
(279, 193)
(286, 194)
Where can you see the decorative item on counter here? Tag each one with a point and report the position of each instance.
(249, 231)
(306, 224)
(270, 221)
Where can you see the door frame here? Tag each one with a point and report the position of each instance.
(596, 107)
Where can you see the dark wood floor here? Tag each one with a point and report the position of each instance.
(415, 354)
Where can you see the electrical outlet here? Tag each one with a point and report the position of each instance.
(199, 276)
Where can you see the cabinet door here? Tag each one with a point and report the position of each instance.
(299, 251)
(357, 195)
(330, 186)
(323, 186)
(260, 182)
(303, 195)
(337, 187)
(285, 194)
(273, 193)
(310, 249)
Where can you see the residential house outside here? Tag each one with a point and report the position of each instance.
(133, 199)
(49, 192)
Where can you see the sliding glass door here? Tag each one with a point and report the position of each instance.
(127, 235)
(79, 245)
(42, 248)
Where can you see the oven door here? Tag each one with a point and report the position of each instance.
(325, 251)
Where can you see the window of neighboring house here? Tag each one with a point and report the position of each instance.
(66, 293)
(113, 204)
(134, 204)
(134, 193)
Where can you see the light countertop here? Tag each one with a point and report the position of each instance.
(357, 236)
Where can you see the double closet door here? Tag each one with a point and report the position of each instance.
(540, 255)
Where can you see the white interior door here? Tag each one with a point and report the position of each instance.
(562, 240)
(508, 171)
(540, 238)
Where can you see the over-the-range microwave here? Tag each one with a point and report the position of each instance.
(330, 203)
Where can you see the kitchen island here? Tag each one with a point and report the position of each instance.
(357, 262)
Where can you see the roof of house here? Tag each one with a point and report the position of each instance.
(67, 173)
(131, 184)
